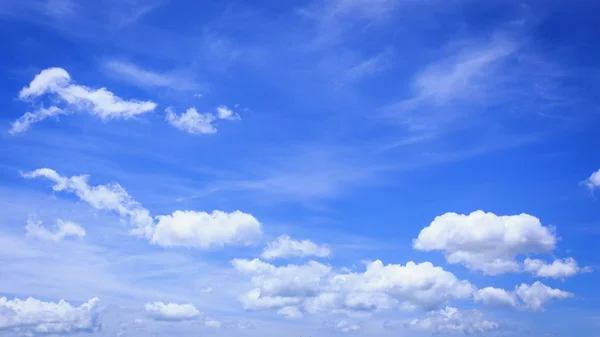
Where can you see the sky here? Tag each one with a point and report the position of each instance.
(299, 168)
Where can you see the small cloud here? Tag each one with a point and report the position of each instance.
(63, 230)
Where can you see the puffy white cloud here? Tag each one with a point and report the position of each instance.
(536, 295)
(559, 269)
(63, 229)
(593, 181)
(182, 228)
(98, 102)
(204, 230)
(525, 296)
(35, 317)
(451, 320)
(223, 112)
(496, 297)
(192, 121)
(172, 311)
(484, 241)
(284, 247)
(24, 122)
(315, 287)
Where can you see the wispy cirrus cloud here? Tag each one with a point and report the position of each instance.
(175, 80)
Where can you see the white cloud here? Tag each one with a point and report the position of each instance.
(496, 297)
(35, 317)
(212, 323)
(463, 78)
(451, 321)
(285, 247)
(559, 269)
(172, 311)
(290, 312)
(314, 287)
(536, 295)
(182, 228)
(63, 229)
(484, 241)
(531, 297)
(98, 102)
(24, 122)
(223, 112)
(145, 78)
(593, 181)
(111, 197)
(345, 326)
(204, 230)
(193, 122)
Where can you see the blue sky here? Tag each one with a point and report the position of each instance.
(309, 168)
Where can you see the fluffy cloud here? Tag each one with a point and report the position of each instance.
(98, 102)
(24, 122)
(204, 230)
(63, 229)
(525, 296)
(182, 228)
(484, 241)
(172, 311)
(593, 181)
(451, 320)
(192, 121)
(315, 287)
(559, 269)
(35, 317)
(285, 247)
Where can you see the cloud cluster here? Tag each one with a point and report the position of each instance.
(486, 242)
(191, 121)
(316, 288)
(98, 102)
(172, 311)
(525, 296)
(32, 317)
(63, 230)
(285, 247)
(559, 269)
(450, 320)
(181, 228)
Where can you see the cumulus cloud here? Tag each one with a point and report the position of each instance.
(98, 102)
(191, 121)
(593, 181)
(284, 247)
(204, 230)
(452, 321)
(181, 228)
(63, 230)
(172, 311)
(35, 317)
(559, 269)
(24, 122)
(484, 241)
(314, 287)
(525, 296)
